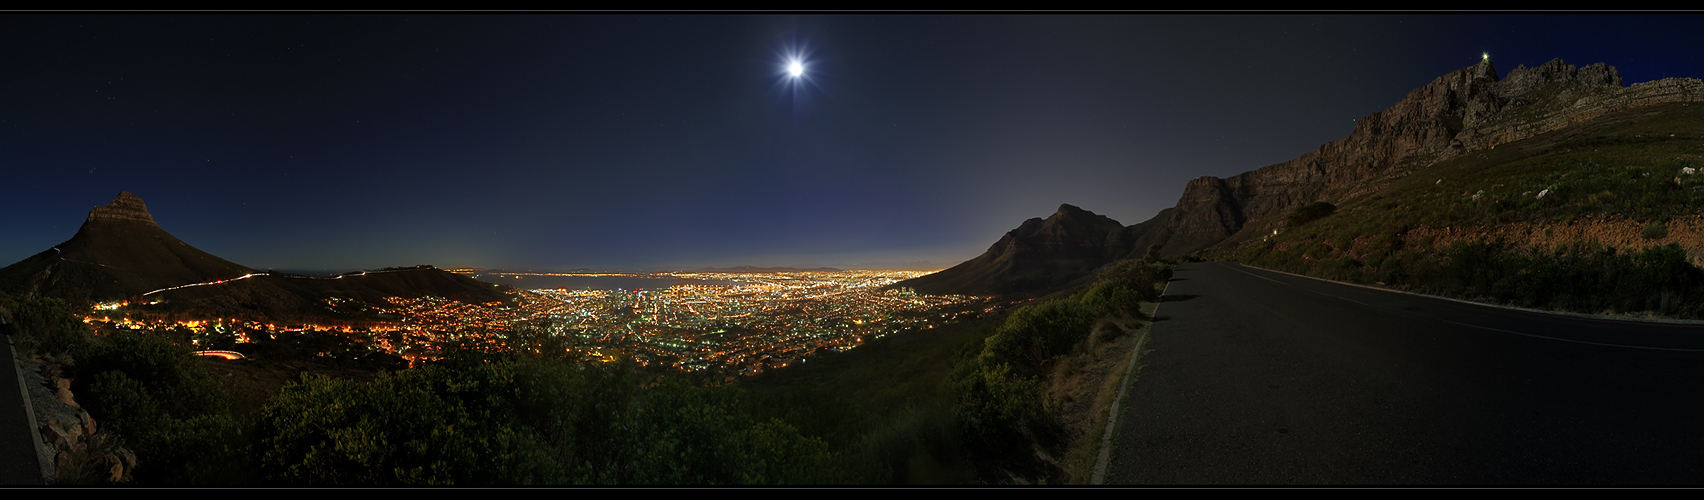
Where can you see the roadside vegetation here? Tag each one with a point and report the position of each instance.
(1599, 218)
(1010, 423)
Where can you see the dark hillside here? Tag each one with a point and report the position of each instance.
(1603, 216)
(296, 299)
(1461, 120)
(118, 252)
(1038, 255)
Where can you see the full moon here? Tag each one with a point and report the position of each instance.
(796, 69)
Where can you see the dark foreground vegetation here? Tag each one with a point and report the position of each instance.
(528, 417)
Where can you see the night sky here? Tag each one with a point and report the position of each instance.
(639, 142)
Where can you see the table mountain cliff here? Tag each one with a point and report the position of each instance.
(1470, 109)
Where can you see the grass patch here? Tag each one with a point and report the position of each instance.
(1083, 451)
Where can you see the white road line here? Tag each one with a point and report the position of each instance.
(1572, 340)
(1287, 284)
(1261, 277)
(1348, 299)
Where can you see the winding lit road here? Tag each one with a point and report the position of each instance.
(1263, 378)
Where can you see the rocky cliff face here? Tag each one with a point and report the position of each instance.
(127, 207)
(1466, 110)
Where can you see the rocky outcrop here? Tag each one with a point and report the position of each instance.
(79, 451)
(1466, 110)
(1209, 211)
(1583, 106)
(127, 207)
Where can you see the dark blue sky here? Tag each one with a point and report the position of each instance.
(559, 141)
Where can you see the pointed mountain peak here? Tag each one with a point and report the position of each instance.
(127, 207)
(1485, 66)
(1069, 212)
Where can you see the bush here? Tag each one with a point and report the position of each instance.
(1002, 414)
(168, 408)
(406, 428)
(526, 422)
(1654, 230)
(1309, 213)
(47, 325)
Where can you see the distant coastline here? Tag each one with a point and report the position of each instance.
(594, 282)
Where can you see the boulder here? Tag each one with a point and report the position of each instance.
(66, 397)
(115, 468)
(88, 421)
(55, 434)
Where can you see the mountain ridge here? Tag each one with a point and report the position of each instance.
(1463, 111)
(121, 253)
(1040, 253)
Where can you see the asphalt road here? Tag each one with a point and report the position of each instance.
(1257, 377)
(18, 465)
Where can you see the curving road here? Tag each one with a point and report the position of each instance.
(18, 462)
(1258, 377)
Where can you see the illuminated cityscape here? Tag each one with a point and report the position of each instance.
(724, 323)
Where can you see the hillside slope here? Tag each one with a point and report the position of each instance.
(121, 253)
(118, 252)
(1462, 115)
(1038, 255)
(1466, 111)
(1606, 216)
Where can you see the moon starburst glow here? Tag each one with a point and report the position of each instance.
(795, 69)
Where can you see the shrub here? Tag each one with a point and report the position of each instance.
(170, 411)
(1654, 230)
(406, 428)
(47, 325)
(530, 421)
(1309, 213)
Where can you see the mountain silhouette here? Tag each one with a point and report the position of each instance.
(1039, 254)
(1465, 111)
(118, 252)
(121, 253)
